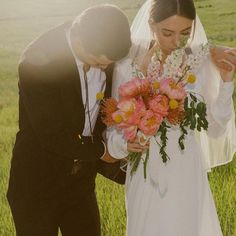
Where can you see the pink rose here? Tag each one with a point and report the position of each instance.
(150, 123)
(159, 104)
(172, 89)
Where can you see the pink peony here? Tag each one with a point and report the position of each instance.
(172, 89)
(145, 86)
(131, 110)
(150, 123)
(159, 104)
(130, 132)
(134, 87)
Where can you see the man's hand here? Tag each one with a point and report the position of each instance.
(222, 55)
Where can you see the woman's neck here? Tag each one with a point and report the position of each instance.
(147, 58)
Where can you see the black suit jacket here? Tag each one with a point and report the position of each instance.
(51, 112)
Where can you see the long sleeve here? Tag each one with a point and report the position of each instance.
(117, 145)
(220, 111)
(219, 142)
(218, 97)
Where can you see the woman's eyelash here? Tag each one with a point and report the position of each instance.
(186, 33)
(167, 34)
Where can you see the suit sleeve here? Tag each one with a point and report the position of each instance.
(39, 88)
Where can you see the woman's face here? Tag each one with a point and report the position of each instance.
(172, 33)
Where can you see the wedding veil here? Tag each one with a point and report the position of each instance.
(216, 151)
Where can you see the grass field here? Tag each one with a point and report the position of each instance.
(23, 20)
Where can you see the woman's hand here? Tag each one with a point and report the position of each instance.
(221, 55)
(227, 76)
(135, 146)
(225, 59)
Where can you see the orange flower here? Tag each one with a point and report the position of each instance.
(108, 107)
(175, 116)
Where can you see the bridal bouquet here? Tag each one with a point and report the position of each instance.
(150, 105)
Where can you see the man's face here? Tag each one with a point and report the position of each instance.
(101, 62)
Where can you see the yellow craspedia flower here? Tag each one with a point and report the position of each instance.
(118, 118)
(156, 85)
(191, 79)
(173, 104)
(99, 96)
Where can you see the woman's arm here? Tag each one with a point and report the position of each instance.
(218, 93)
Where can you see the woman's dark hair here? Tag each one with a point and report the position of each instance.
(103, 30)
(163, 9)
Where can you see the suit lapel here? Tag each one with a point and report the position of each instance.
(71, 87)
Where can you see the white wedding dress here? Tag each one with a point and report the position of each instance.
(175, 199)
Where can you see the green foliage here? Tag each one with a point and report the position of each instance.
(134, 159)
(195, 117)
(163, 137)
(20, 22)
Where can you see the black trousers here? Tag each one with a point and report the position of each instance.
(73, 219)
(42, 207)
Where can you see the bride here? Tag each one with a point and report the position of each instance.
(175, 198)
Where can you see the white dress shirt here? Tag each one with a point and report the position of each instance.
(96, 83)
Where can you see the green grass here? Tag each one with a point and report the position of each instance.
(23, 20)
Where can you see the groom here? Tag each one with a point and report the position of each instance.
(63, 74)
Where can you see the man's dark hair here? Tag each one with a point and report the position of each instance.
(103, 30)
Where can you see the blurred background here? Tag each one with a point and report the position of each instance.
(23, 20)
